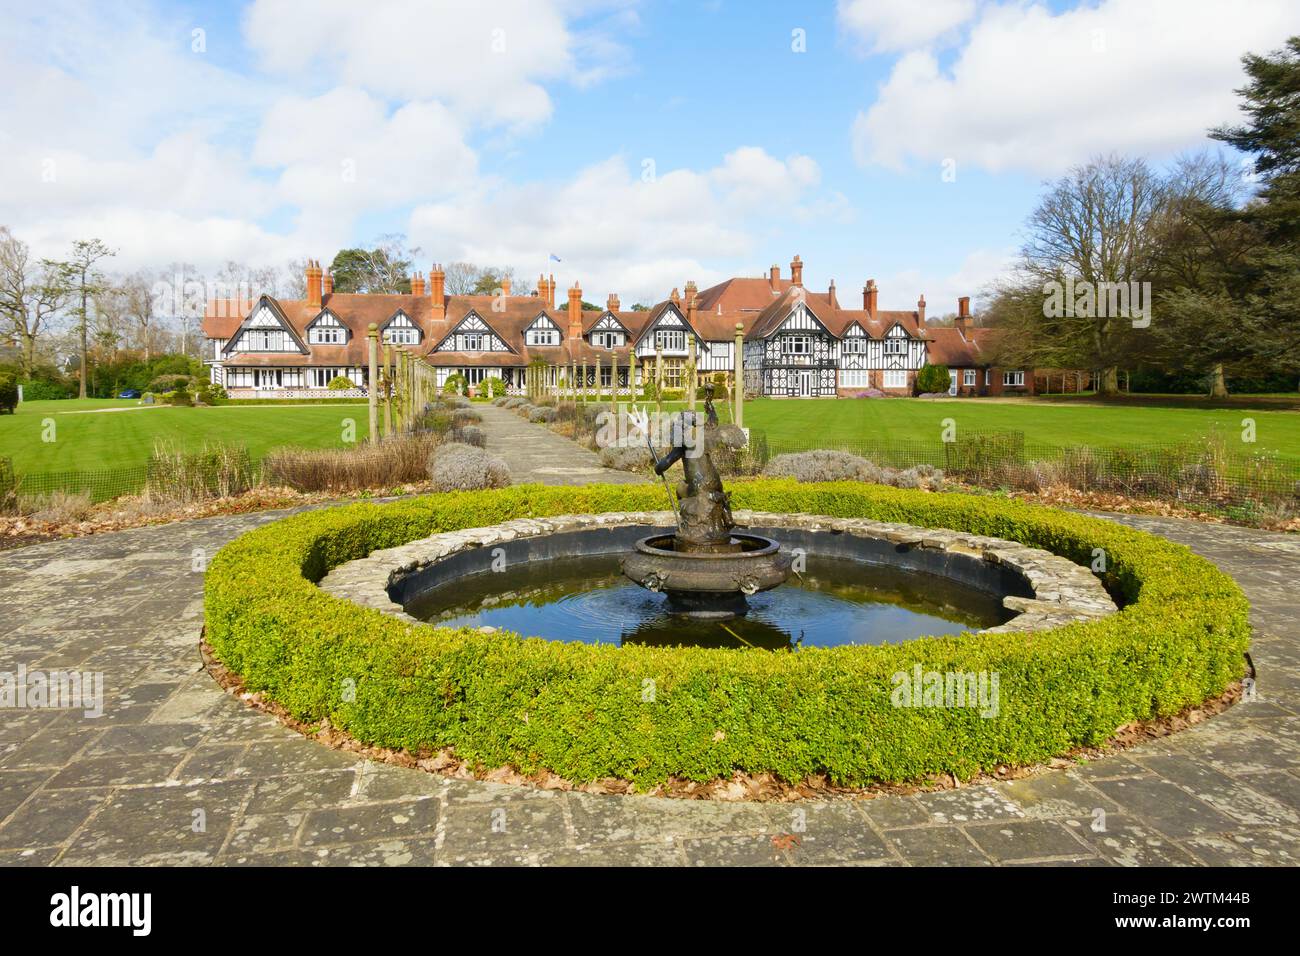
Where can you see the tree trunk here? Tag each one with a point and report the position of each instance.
(1108, 381)
(1218, 387)
(84, 323)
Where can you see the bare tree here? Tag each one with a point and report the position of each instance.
(1098, 227)
(461, 278)
(32, 294)
(86, 281)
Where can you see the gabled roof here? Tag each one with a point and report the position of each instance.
(268, 302)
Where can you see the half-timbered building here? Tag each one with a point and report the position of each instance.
(796, 342)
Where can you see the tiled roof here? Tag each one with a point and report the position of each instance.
(955, 349)
(758, 305)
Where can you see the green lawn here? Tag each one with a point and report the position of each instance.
(828, 422)
(87, 436)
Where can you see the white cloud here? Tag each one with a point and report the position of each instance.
(487, 60)
(974, 277)
(342, 155)
(617, 232)
(885, 25)
(1035, 90)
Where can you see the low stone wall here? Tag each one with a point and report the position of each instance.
(1058, 590)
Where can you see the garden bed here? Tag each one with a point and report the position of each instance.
(648, 715)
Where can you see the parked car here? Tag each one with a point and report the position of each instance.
(129, 393)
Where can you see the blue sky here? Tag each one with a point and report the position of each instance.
(504, 131)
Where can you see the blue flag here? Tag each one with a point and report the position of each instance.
(554, 257)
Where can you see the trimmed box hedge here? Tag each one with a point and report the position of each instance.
(646, 714)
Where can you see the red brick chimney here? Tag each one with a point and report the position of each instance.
(612, 303)
(796, 271)
(830, 294)
(920, 312)
(505, 286)
(774, 278)
(675, 297)
(575, 312)
(692, 298)
(327, 283)
(437, 282)
(417, 284)
(962, 321)
(313, 284)
(869, 294)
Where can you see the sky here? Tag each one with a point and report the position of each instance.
(642, 142)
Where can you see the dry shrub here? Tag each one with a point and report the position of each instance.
(180, 477)
(635, 458)
(822, 465)
(465, 416)
(58, 507)
(514, 402)
(457, 467)
(541, 415)
(468, 435)
(393, 461)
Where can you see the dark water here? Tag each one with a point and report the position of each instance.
(586, 599)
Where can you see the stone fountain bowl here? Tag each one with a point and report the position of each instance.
(698, 581)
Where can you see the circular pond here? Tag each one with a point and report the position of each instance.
(834, 600)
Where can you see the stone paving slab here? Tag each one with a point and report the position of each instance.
(537, 455)
(177, 772)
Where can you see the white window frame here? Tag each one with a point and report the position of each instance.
(854, 378)
(988, 376)
(543, 337)
(670, 340)
(855, 345)
(894, 378)
(401, 335)
(968, 378)
(1014, 379)
(896, 346)
(803, 340)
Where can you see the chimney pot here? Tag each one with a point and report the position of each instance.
(575, 311)
(796, 271)
(920, 311)
(437, 284)
(612, 303)
(869, 297)
(505, 286)
(313, 274)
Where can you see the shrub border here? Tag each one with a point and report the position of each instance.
(588, 712)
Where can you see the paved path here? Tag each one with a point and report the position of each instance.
(536, 454)
(175, 771)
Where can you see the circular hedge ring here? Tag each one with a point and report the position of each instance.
(646, 714)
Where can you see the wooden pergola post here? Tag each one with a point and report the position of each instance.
(659, 378)
(690, 372)
(600, 388)
(388, 390)
(738, 362)
(613, 382)
(373, 335)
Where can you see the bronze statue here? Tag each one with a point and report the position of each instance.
(704, 519)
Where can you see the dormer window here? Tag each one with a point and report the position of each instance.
(473, 342)
(607, 340)
(327, 330)
(896, 346)
(855, 345)
(400, 330)
(542, 336)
